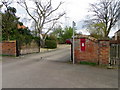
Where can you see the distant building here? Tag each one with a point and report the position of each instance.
(21, 26)
(117, 35)
(119, 23)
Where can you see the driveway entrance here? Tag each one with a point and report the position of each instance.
(52, 70)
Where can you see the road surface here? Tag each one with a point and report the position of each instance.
(52, 70)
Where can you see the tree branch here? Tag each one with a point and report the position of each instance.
(26, 8)
(54, 9)
(55, 18)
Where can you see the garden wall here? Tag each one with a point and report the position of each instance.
(29, 48)
(8, 48)
(11, 48)
(96, 51)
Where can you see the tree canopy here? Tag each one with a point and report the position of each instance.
(105, 13)
(63, 34)
(10, 30)
(9, 23)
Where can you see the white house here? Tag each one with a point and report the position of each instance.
(119, 23)
(117, 35)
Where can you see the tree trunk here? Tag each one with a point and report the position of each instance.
(43, 43)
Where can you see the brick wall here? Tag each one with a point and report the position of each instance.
(8, 48)
(95, 51)
(90, 54)
(104, 51)
(29, 48)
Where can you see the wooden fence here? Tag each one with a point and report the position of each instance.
(114, 54)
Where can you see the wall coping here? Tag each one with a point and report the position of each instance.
(103, 40)
(114, 41)
(8, 41)
(86, 37)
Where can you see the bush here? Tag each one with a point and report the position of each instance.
(51, 37)
(61, 41)
(50, 44)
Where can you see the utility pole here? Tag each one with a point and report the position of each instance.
(73, 25)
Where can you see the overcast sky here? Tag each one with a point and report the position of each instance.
(76, 10)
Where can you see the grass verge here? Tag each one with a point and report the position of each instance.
(88, 63)
(7, 55)
(98, 66)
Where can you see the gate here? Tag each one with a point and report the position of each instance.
(114, 54)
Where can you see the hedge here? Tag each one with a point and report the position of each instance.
(51, 44)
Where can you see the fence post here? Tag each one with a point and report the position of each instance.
(17, 49)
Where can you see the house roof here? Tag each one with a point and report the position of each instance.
(21, 27)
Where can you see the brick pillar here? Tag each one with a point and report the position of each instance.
(104, 51)
(8, 48)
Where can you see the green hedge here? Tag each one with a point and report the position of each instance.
(51, 44)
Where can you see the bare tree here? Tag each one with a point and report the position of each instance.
(106, 12)
(6, 3)
(42, 15)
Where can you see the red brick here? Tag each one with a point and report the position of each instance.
(8, 48)
(91, 53)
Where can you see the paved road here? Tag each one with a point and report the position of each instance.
(54, 71)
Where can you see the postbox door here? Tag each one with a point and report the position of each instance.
(82, 44)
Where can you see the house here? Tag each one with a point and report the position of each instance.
(116, 38)
(21, 26)
(118, 22)
(117, 35)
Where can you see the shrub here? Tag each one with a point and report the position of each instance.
(50, 44)
(51, 37)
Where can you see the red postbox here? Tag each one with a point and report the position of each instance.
(82, 44)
